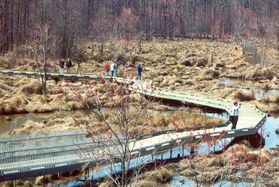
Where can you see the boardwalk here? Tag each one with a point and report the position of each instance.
(15, 161)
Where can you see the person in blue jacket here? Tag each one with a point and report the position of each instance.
(139, 69)
(115, 68)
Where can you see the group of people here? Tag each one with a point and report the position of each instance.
(114, 68)
(68, 63)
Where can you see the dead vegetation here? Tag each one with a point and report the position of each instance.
(242, 96)
(161, 121)
(209, 168)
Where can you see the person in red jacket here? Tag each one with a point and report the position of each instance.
(107, 69)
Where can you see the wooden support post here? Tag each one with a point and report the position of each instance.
(162, 156)
(171, 154)
(214, 146)
(192, 152)
(44, 181)
(85, 175)
(183, 150)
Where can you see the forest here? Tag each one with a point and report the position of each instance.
(72, 22)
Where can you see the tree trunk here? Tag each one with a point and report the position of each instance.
(18, 30)
(151, 23)
(65, 30)
(12, 26)
(24, 23)
(170, 28)
(165, 27)
(123, 171)
(277, 45)
(45, 70)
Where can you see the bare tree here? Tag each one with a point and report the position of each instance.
(122, 119)
(41, 44)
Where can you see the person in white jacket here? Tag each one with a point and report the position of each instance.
(111, 68)
(235, 113)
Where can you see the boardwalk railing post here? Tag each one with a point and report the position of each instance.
(183, 150)
(214, 144)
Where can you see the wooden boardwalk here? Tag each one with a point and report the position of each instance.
(250, 120)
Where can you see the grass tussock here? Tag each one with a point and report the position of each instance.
(275, 99)
(107, 183)
(13, 105)
(241, 96)
(182, 119)
(32, 88)
(145, 183)
(28, 127)
(158, 177)
(259, 73)
(164, 175)
(208, 74)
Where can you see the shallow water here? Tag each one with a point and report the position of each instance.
(267, 131)
(271, 141)
(9, 122)
(104, 171)
(259, 93)
(179, 180)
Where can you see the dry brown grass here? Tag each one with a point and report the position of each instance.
(31, 88)
(158, 177)
(29, 127)
(275, 99)
(260, 73)
(241, 96)
(145, 183)
(182, 119)
(164, 175)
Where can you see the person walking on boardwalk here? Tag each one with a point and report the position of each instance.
(111, 68)
(69, 65)
(107, 69)
(139, 69)
(115, 68)
(61, 65)
(235, 113)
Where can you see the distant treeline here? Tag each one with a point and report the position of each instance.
(70, 22)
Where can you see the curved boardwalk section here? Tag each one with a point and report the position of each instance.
(60, 157)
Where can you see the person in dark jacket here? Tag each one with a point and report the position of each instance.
(61, 65)
(69, 65)
(139, 69)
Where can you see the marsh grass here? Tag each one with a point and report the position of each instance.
(275, 99)
(242, 96)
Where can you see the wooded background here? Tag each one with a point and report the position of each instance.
(70, 22)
